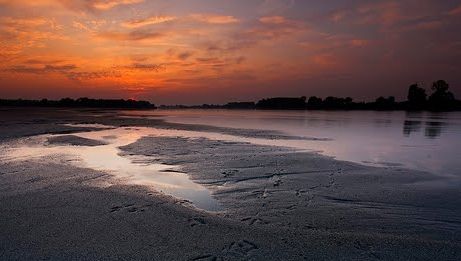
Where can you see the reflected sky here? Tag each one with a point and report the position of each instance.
(417, 140)
(132, 169)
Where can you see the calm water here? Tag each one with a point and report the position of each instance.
(417, 140)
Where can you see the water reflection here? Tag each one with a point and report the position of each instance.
(418, 140)
(410, 126)
(133, 169)
(432, 129)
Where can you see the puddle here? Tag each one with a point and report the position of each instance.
(134, 169)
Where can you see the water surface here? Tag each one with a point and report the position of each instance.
(417, 140)
(135, 169)
(423, 141)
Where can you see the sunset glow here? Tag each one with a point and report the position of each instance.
(204, 51)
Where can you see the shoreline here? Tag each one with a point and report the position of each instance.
(3, 107)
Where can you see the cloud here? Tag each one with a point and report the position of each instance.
(91, 26)
(215, 19)
(108, 4)
(359, 42)
(68, 70)
(424, 25)
(391, 16)
(28, 3)
(274, 27)
(19, 23)
(147, 67)
(53, 68)
(93, 5)
(324, 60)
(80, 26)
(184, 55)
(48, 68)
(77, 5)
(131, 36)
(81, 76)
(148, 21)
(39, 61)
(383, 13)
(209, 60)
(338, 15)
(273, 20)
(21, 33)
(455, 11)
(268, 29)
(272, 6)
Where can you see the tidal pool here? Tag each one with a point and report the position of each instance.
(134, 169)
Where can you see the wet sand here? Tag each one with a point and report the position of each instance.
(278, 203)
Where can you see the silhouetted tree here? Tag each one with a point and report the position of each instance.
(282, 103)
(385, 103)
(441, 98)
(314, 102)
(240, 105)
(80, 102)
(440, 86)
(331, 102)
(416, 97)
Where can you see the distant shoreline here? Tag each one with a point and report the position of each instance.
(79, 103)
(305, 109)
(441, 99)
(166, 108)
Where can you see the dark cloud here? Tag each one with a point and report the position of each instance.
(68, 70)
(38, 61)
(43, 69)
(96, 5)
(80, 76)
(132, 36)
(185, 55)
(147, 67)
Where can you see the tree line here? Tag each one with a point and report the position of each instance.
(80, 103)
(441, 99)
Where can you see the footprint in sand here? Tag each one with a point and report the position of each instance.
(131, 208)
(234, 251)
(196, 221)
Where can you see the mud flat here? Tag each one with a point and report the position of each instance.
(278, 203)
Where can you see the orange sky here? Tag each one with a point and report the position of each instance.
(210, 51)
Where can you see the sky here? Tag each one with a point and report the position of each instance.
(217, 51)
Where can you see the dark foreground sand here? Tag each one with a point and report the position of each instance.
(280, 204)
